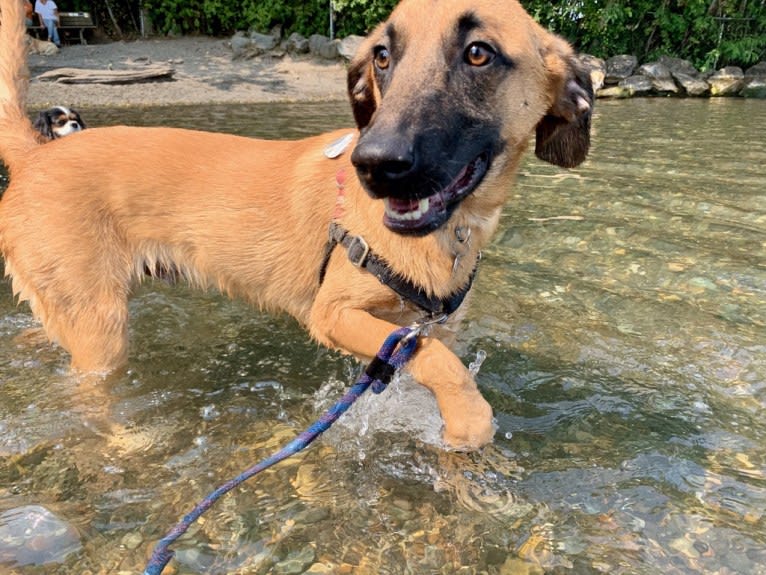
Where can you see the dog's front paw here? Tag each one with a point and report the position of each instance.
(468, 425)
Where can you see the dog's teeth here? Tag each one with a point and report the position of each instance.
(413, 215)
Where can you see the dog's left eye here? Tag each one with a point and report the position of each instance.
(382, 57)
(479, 54)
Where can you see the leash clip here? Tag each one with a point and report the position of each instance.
(418, 327)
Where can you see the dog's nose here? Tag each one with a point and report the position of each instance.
(380, 159)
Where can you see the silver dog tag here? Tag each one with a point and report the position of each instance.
(338, 146)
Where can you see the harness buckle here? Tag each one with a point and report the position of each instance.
(357, 251)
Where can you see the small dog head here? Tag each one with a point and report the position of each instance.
(58, 122)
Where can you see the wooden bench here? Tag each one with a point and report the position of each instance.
(76, 21)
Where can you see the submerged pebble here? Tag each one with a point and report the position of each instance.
(32, 535)
(296, 562)
(132, 540)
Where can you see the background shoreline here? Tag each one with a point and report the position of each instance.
(207, 70)
(204, 73)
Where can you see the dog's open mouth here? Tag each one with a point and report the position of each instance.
(423, 215)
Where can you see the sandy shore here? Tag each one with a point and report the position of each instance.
(204, 73)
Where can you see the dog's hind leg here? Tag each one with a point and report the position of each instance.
(96, 339)
(94, 330)
(81, 298)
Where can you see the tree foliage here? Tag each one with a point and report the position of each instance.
(710, 33)
(707, 32)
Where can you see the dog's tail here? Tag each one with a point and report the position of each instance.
(17, 135)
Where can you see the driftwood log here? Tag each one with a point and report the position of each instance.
(84, 76)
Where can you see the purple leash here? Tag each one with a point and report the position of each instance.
(377, 374)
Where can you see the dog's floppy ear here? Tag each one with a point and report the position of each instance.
(361, 85)
(43, 125)
(563, 135)
(79, 119)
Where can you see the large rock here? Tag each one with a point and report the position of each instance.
(637, 85)
(659, 75)
(263, 42)
(757, 71)
(678, 66)
(727, 81)
(239, 45)
(685, 75)
(276, 32)
(596, 68)
(619, 68)
(755, 81)
(614, 92)
(692, 85)
(755, 88)
(349, 46)
(322, 47)
(251, 45)
(297, 44)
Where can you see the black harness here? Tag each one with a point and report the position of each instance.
(361, 256)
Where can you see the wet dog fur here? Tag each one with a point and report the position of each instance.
(443, 117)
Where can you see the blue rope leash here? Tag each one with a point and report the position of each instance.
(378, 374)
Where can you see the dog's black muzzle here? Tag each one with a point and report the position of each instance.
(423, 178)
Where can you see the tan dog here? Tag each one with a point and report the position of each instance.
(444, 113)
(43, 47)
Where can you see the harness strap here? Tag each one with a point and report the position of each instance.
(361, 256)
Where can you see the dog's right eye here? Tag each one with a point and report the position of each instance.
(479, 54)
(381, 57)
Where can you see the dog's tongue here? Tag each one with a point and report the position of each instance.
(403, 206)
(410, 215)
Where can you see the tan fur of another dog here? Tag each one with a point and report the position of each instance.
(43, 47)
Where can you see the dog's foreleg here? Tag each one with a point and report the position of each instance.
(467, 415)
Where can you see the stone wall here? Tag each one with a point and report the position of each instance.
(622, 77)
(252, 44)
(618, 77)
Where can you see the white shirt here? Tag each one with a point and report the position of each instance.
(46, 11)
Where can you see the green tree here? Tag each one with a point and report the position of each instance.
(706, 32)
(709, 33)
(360, 16)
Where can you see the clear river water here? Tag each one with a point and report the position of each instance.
(622, 313)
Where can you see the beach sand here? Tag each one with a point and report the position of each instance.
(204, 73)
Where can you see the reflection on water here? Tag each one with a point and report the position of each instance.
(622, 313)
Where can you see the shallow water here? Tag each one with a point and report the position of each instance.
(622, 310)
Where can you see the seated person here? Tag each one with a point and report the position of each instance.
(29, 13)
(49, 17)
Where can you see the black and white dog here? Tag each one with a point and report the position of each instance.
(58, 122)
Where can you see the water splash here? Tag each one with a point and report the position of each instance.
(475, 365)
(405, 407)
